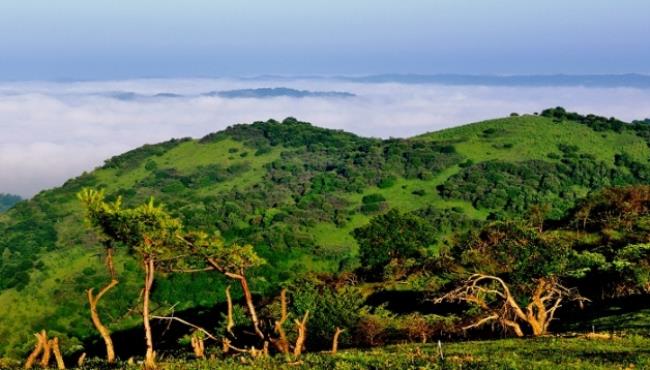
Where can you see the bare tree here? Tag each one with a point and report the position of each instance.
(493, 296)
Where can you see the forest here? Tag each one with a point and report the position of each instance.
(279, 244)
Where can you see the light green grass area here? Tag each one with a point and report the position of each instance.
(399, 196)
(534, 137)
(188, 156)
(60, 268)
(548, 353)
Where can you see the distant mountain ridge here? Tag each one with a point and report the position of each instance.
(625, 80)
(633, 80)
(8, 200)
(256, 93)
(279, 92)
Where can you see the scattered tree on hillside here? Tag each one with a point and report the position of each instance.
(392, 236)
(149, 232)
(92, 199)
(613, 226)
(230, 260)
(516, 277)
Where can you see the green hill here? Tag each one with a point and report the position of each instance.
(296, 191)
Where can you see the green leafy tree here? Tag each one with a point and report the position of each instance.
(392, 236)
(148, 231)
(209, 252)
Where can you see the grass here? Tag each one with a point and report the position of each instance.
(541, 353)
(534, 137)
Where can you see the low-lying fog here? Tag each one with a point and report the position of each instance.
(51, 131)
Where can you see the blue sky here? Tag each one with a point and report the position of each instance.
(100, 39)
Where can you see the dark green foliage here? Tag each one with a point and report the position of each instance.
(392, 236)
(373, 208)
(617, 226)
(328, 308)
(29, 233)
(372, 198)
(386, 182)
(517, 253)
(516, 186)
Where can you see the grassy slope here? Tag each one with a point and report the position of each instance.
(531, 138)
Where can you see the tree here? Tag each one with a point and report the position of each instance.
(516, 277)
(392, 236)
(92, 199)
(232, 261)
(148, 231)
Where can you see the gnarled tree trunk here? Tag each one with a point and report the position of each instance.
(150, 356)
(103, 330)
(94, 300)
(248, 297)
(503, 308)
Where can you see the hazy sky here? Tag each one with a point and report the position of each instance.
(107, 39)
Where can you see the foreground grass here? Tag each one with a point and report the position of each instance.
(631, 352)
(546, 353)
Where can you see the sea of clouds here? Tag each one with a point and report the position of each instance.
(51, 131)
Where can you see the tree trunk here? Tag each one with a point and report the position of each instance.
(335, 340)
(231, 322)
(150, 356)
(57, 354)
(248, 297)
(40, 337)
(103, 330)
(81, 360)
(198, 347)
(282, 343)
(47, 351)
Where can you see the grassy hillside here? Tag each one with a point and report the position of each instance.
(296, 192)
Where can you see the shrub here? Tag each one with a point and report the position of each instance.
(372, 198)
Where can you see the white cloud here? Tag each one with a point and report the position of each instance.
(50, 132)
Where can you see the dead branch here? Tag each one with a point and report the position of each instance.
(481, 322)
(282, 343)
(174, 318)
(302, 335)
(38, 348)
